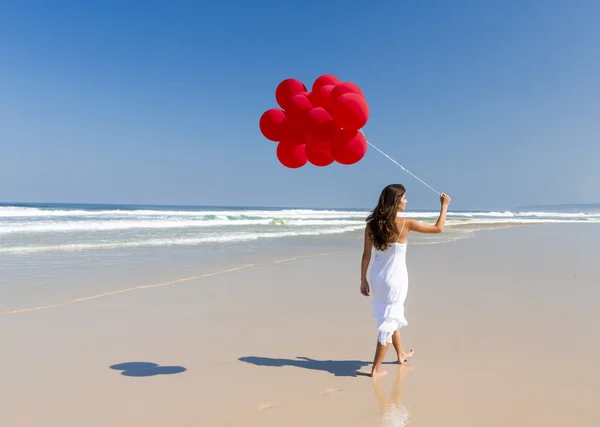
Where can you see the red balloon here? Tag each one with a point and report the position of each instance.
(298, 106)
(322, 97)
(291, 134)
(318, 157)
(348, 146)
(317, 144)
(291, 156)
(270, 123)
(345, 87)
(319, 124)
(286, 89)
(324, 80)
(350, 111)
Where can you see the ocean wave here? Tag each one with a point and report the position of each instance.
(517, 221)
(17, 212)
(273, 219)
(91, 226)
(559, 215)
(30, 212)
(227, 238)
(42, 229)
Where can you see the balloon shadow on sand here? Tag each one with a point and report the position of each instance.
(146, 369)
(339, 368)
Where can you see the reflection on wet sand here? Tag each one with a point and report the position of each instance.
(393, 412)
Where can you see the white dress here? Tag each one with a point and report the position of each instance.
(389, 284)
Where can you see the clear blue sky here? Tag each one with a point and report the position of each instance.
(496, 103)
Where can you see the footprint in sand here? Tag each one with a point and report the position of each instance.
(331, 391)
(265, 406)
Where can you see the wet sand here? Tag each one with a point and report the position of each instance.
(504, 325)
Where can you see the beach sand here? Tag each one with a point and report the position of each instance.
(504, 325)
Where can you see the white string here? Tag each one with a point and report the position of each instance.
(402, 167)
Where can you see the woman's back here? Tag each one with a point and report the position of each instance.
(400, 239)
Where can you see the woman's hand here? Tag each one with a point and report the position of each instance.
(445, 199)
(365, 289)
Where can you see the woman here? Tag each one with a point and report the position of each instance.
(386, 231)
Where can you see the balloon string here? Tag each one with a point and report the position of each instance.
(403, 168)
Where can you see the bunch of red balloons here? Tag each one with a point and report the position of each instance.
(320, 126)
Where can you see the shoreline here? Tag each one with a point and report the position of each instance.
(309, 244)
(339, 244)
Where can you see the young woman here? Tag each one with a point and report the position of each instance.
(386, 232)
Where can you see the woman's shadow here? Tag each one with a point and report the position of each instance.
(339, 368)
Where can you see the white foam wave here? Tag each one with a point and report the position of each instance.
(228, 238)
(157, 223)
(32, 229)
(516, 221)
(16, 212)
(559, 215)
(506, 214)
(27, 212)
(85, 226)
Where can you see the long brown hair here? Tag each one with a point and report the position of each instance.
(381, 222)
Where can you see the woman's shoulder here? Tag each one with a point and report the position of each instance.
(409, 221)
(401, 220)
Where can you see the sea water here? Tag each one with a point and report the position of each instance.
(28, 229)
(50, 253)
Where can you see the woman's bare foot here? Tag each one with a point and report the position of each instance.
(377, 373)
(405, 356)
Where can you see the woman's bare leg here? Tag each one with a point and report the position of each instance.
(379, 355)
(402, 356)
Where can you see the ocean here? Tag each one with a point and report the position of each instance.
(35, 228)
(52, 253)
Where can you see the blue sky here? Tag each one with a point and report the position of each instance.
(496, 103)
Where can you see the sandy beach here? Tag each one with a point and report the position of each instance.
(504, 325)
